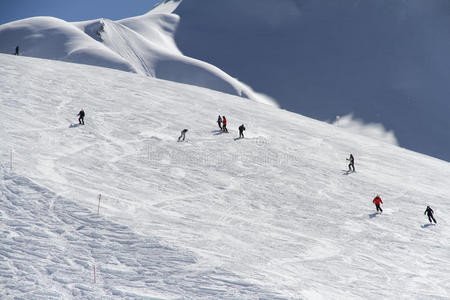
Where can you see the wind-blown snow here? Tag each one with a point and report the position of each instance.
(270, 216)
(383, 61)
(141, 44)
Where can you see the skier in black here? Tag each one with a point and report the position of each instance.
(219, 121)
(17, 50)
(241, 131)
(183, 134)
(81, 117)
(351, 165)
(429, 213)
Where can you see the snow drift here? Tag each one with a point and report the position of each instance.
(271, 216)
(383, 61)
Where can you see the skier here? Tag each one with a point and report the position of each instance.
(429, 211)
(17, 50)
(183, 134)
(81, 117)
(377, 201)
(219, 121)
(224, 124)
(241, 131)
(351, 165)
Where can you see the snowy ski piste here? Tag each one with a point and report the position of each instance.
(270, 216)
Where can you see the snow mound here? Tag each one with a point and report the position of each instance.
(52, 38)
(141, 44)
(272, 216)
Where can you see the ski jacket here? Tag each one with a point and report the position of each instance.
(224, 121)
(241, 128)
(81, 114)
(429, 211)
(219, 120)
(377, 201)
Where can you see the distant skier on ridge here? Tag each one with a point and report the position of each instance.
(219, 122)
(377, 201)
(351, 165)
(81, 117)
(429, 211)
(17, 50)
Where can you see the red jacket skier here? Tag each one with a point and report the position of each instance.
(224, 124)
(377, 201)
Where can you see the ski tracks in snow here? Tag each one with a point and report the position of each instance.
(50, 246)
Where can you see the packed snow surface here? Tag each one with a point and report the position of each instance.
(273, 215)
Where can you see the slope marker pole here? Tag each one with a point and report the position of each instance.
(98, 207)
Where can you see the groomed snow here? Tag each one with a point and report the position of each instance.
(270, 216)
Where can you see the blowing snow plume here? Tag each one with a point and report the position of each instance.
(382, 61)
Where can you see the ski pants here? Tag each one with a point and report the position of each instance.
(430, 218)
(378, 208)
(224, 128)
(241, 134)
(350, 166)
(220, 125)
(183, 135)
(81, 120)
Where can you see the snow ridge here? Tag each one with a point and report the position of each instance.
(143, 44)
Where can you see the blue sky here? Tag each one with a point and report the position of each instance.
(77, 10)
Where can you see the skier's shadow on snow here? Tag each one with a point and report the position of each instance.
(74, 125)
(236, 139)
(217, 132)
(373, 215)
(426, 225)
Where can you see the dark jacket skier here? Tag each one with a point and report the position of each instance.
(429, 211)
(241, 131)
(17, 50)
(219, 121)
(183, 134)
(351, 165)
(81, 117)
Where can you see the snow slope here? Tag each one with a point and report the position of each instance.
(270, 216)
(141, 44)
(383, 62)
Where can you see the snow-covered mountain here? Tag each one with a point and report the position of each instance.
(141, 44)
(383, 62)
(270, 216)
(360, 64)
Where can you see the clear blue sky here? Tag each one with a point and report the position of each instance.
(73, 10)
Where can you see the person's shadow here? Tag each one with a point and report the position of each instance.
(427, 225)
(217, 132)
(373, 215)
(74, 125)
